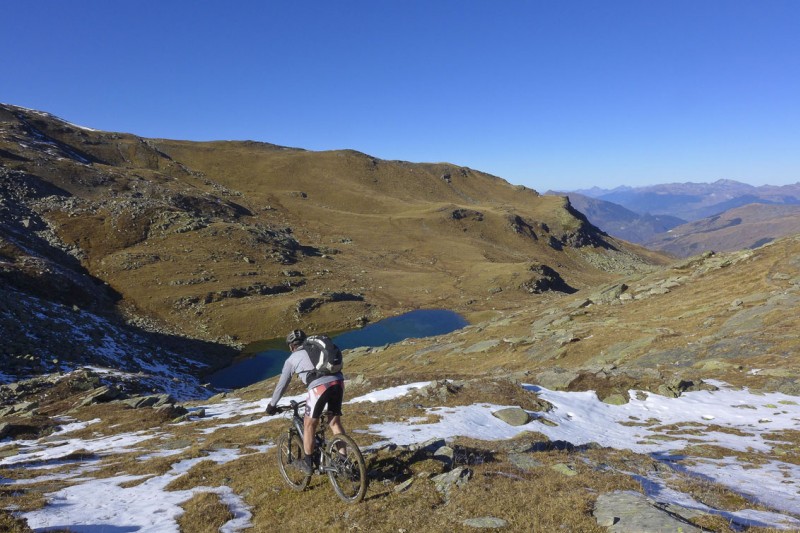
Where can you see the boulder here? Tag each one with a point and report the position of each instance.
(615, 399)
(608, 294)
(171, 411)
(457, 477)
(153, 400)
(429, 446)
(513, 416)
(556, 378)
(446, 455)
(103, 394)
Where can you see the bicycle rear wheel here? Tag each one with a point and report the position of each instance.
(347, 471)
(290, 453)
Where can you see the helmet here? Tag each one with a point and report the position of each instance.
(295, 337)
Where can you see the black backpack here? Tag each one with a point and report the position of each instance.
(324, 354)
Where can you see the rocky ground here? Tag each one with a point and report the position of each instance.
(506, 457)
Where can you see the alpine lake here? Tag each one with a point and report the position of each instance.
(264, 359)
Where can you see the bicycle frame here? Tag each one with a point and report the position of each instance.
(298, 425)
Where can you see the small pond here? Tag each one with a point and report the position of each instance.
(269, 360)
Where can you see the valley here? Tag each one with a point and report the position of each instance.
(134, 268)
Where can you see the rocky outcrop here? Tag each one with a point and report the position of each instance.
(629, 511)
(307, 305)
(545, 279)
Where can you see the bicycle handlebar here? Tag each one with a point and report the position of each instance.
(293, 406)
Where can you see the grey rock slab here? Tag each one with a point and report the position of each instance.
(632, 512)
(482, 346)
(513, 416)
(524, 461)
(556, 378)
(486, 522)
(455, 478)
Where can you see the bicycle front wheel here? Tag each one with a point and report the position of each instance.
(290, 453)
(347, 471)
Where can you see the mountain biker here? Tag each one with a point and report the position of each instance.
(327, 390)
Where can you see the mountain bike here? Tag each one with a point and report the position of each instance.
(339, 457)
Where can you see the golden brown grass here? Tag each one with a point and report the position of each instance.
(204, 513)
(541, 499)
(11, 524)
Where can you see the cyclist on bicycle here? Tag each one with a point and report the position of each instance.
(327, 390)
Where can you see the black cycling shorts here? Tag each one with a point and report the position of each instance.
(330, 394)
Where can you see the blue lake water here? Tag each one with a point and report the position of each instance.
(269, 362)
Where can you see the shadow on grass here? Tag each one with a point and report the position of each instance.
(400, 464)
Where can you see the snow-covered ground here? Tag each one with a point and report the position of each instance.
(738, 420)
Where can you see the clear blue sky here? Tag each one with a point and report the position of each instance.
(549, 94)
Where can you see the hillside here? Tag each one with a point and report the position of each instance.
(232, 242)
(620, 222)
(741, 228)
(644, 394)
(690, 434)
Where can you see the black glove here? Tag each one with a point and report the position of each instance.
(271, 409)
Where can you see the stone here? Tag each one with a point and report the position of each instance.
(171, 411)
(404, 486)
(630, 511)
(103, 394)
(567, 470)
(482, 346)
(429, 446)
(457, 477)
(556, 378)
(155, 400)
(513, 416)
(524, 461)
(608, 294)
(485, 522)
(615, 399)
(25, 407)
(446, 455)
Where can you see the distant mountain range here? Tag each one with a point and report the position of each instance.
(693, 201)
(689, 218)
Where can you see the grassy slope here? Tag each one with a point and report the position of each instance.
(171, 225)
(736, 229)
(719, 316)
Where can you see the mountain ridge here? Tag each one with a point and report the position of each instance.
(691, 201)
(228, 241)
